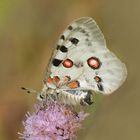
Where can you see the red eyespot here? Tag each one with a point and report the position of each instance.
(73, 84)
(97, 79)
(68, 63)
(56, 79)
(93, 62)
(50, 80)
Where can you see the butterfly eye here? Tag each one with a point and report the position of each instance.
(93, 62)
(68, 63)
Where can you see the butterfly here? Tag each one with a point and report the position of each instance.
(81, 65)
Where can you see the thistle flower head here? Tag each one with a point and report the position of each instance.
(54, 122)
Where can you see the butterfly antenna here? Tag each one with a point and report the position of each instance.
(28, 90)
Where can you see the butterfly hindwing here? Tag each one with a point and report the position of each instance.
(82, 55)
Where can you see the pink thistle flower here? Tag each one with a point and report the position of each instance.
(54, 122)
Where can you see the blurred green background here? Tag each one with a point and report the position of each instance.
(29, 30)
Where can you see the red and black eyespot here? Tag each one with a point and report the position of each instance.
(98, 79)
(73, 84)
(56, 79)
(99, 83)
(94, 62)
(50, 80)
(68, 63)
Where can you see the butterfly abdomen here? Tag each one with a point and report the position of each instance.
(74, 97)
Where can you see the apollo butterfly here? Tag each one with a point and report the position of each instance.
(80, 64)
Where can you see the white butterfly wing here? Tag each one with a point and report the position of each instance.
(82, 55)
(111, 74)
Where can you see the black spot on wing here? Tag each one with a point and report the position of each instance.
(56, 62)
(100, 87)
(62, 37)
(74, 41)
(63, 49)
(70, 28)
(88, 98)
(83, 31)
(58, 47)
(78, 64)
